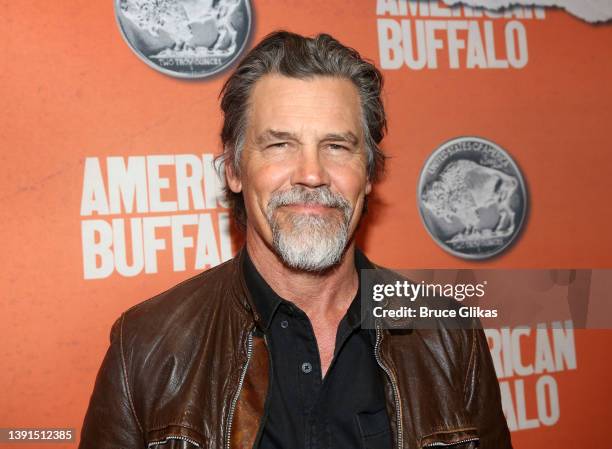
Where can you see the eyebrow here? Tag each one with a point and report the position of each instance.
(273, 134)
(342, 137)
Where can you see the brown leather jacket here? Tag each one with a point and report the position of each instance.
(185, 369)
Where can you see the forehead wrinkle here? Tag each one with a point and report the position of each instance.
(304, 113)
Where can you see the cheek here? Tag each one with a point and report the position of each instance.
(261, 180)
(351, 182)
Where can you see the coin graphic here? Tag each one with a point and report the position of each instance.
(472, 198)
(185, 38)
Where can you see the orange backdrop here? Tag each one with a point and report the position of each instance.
(72, 90)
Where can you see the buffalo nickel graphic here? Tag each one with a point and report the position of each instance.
(472, 197)
(185, 38)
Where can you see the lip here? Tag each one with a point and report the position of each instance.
(309, 208)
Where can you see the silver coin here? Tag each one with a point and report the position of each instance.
(472, 197)
(185, 38)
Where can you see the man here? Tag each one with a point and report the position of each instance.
(267, 350)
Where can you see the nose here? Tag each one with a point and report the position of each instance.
(310, 169)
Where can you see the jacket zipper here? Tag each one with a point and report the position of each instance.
(396, 396)
(266, 405)
(173, 437)
(441, 444)
(240, 382)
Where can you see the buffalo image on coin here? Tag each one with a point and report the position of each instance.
(185, 38)
(472, 197)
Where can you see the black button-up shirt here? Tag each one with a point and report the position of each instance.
(346, 409)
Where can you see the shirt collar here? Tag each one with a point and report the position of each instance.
(267, 301)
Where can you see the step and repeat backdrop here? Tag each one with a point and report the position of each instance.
(500, 157)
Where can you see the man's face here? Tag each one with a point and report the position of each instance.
(303, 168)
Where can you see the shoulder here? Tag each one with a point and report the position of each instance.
(202, 291)
(184, 310)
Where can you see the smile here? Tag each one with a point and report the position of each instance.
(309, 208)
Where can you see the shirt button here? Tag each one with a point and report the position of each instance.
(306, 367)
(284, 324)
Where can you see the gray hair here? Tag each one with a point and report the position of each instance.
(301, 57)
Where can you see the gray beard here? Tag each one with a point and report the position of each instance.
(310, 242)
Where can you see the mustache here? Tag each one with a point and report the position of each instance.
(321, 196)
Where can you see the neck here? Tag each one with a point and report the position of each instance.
(316, 293)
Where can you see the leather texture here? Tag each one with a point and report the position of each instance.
(186, 369)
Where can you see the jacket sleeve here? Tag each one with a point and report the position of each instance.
(110, 421)
(483, 398)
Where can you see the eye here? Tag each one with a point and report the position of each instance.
(336, 147)
(278, 145)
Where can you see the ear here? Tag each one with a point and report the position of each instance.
(233, 180)
(368, 187)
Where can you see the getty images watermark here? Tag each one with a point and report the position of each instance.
(409, 291)
(430, 299)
